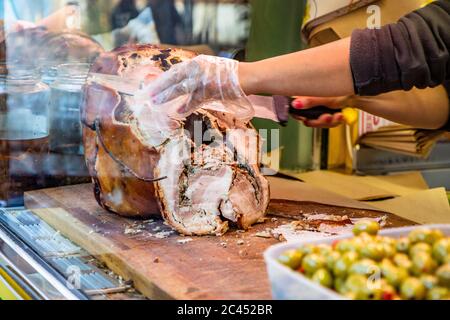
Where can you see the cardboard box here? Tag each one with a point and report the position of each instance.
(342, 26)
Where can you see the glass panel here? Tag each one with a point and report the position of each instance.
(47, 49)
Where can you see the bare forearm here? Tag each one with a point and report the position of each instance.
(428, 108)
(324, 71)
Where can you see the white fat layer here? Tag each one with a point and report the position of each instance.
(171, 164)
(227, 210)
(208, 186)
(152, 123)
(208, 189)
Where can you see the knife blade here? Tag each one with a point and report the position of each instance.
(275, 108)
(126, 86)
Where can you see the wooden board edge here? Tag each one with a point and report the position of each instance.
(101, 248)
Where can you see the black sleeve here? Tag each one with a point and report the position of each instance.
(414, 52)
(447, 87)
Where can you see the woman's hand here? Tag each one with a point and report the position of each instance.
(203, 80)
(326, 120)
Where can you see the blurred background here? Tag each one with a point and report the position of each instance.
(220, 24)
(53, 42)
(47, 47)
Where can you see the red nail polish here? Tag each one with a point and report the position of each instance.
(329, 119)
(297, 104)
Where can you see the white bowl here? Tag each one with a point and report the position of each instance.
(288, 284)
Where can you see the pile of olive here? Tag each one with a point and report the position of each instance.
(370, 266)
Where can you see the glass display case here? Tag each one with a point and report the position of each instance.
(46, 50)
(103, 194)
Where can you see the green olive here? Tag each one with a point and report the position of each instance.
(447, 259)
(331, 259)
(438, 293)
(429, 281)
(421, 235)
(365, 238)
(323, 277)
(313, 262)
(422, 263)
(348, 245)
(365, 267)
(373, 250)
(350, 295)
(389, 241)
(389, 250)
(386, 263)
(357, 285)
(443, 275)
(394, 275)
(403, 245)
(308, 249)
(350, 257)
(291, 258)
(342, 265)
(412, 289)
(419, 247)
(402, 260)
(368, 226)
(436, 235)
(382, 290)
(339, 285)
(441, 249)
(323, 249)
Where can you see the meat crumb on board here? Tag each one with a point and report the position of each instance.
(318, 226)
(185, 241)
(264, 234)
(224, 244)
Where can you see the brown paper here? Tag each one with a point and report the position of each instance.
(365, 188)
(285, 189)
(424, 207)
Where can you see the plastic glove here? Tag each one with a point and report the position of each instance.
(201, 81)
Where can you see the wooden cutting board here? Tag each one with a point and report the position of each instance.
(228, 267)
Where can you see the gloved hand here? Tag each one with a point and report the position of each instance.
(201, 81)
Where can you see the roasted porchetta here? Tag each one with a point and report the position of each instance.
(145, 163)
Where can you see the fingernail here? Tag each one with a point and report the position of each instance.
(340, 117)
(297, 104)
(329, 119)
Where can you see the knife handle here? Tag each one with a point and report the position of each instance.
(313, 113)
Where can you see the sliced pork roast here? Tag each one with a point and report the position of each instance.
(201, 174)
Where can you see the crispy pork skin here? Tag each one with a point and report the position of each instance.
(201, 173)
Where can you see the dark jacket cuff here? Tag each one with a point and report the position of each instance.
(373, 63)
